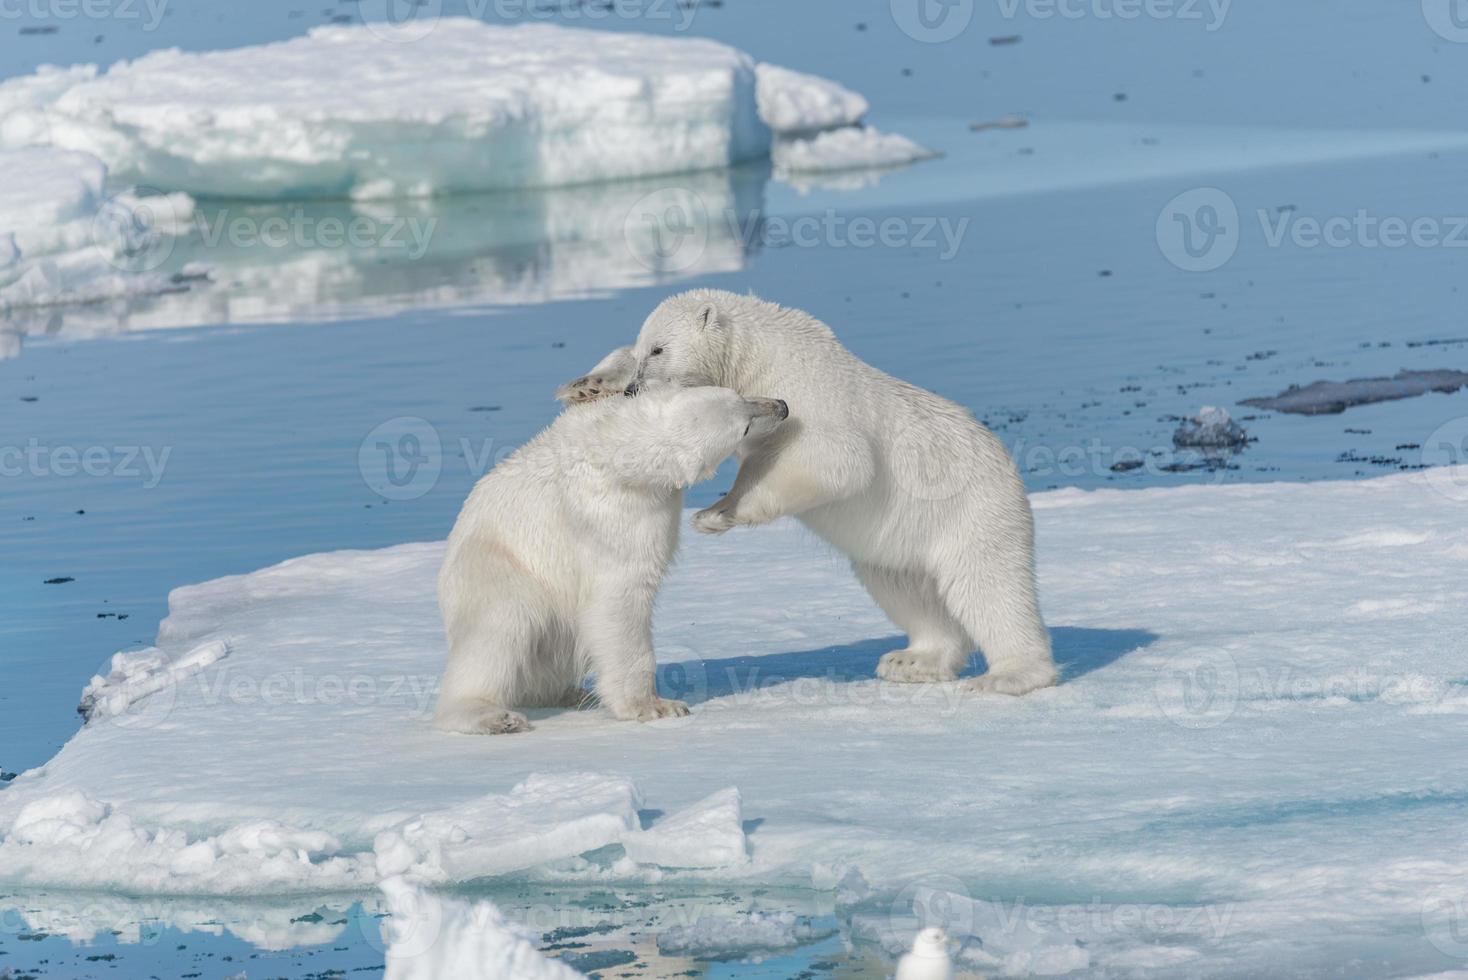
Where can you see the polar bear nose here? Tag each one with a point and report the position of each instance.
(633, 389)
(784, 409)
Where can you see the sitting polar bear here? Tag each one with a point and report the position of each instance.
(924, 499)
(554, 561)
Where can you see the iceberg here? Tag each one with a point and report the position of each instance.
(359, 112)
(1263, 839)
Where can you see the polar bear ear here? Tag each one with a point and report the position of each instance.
(706, 316)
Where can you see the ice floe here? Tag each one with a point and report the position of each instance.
(1230, 642)
(378, 111)
(434, 937)
(851, 148)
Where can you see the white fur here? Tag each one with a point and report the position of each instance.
(924, 499)
(555, 560)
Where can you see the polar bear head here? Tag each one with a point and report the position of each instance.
(685, 341)
(674, 437)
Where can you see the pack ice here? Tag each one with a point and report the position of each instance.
(1251, 767)
(381, 111)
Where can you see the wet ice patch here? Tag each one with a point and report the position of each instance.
(1334, 397)
(717, 936)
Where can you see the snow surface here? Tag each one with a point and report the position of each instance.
(1197, 793)
(349, 111)
(64, 240)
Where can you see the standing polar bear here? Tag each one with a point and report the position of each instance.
(555, 560)
(924, 499)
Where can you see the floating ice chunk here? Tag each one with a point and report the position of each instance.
(708, 834)
(1334, 397)
(345, 112)
(852, 148)
(63, 240)
(720, 935)
(792, 102)
(73, 840)
(1211, 428)
(543, 819)
(432, 937)
(133, 675)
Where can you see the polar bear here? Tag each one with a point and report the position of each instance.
(924, 500)
(557, 555)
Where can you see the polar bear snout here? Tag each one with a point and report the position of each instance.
(765, 415)
(770, 407)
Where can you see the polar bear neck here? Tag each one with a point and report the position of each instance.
(768, 343)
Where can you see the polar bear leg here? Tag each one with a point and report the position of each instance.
(487, 664)
(997, 604)
(615, 633)
(937, 648)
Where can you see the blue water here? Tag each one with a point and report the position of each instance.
(222, 448)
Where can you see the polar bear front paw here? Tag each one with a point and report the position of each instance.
(590, 389)
(713, 520)
(651, 709)
(914, 667)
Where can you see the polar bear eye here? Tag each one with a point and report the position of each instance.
(655, 352)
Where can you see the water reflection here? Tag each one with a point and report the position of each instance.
(314, 260)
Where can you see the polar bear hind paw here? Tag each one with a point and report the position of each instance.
(914, 667)
(651, 709)
(1011, 682)
(480, 720)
